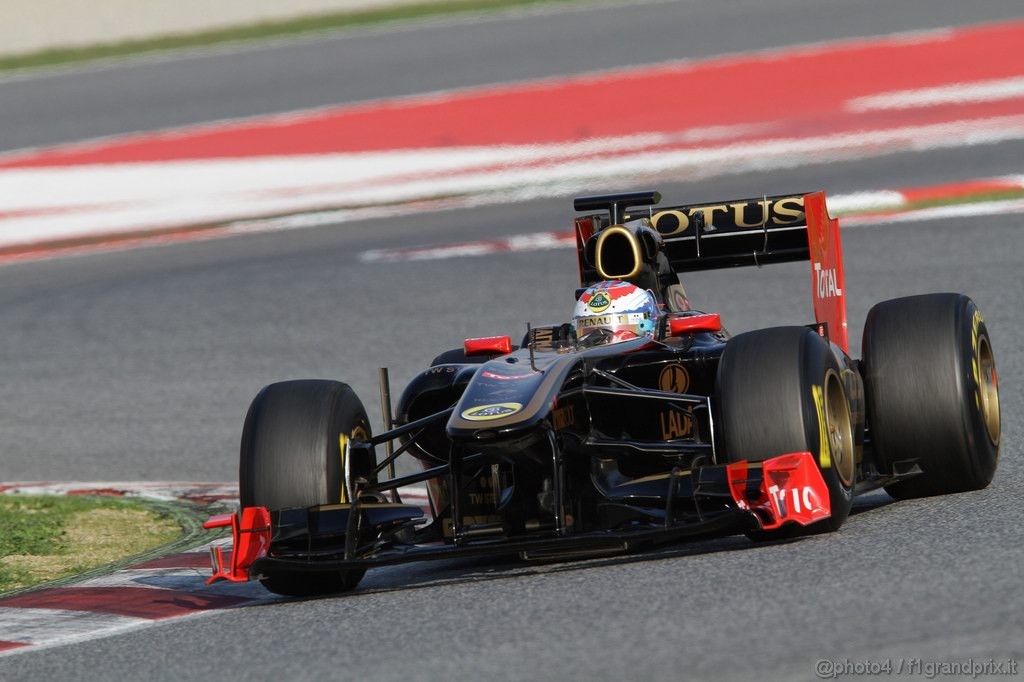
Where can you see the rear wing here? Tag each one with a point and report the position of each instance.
(758, 231)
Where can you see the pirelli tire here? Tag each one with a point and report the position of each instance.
(932, 393)
(781, 390)
(291, 456)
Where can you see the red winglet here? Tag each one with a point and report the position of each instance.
(250, 540)
(792, 489)
(827, 279)
(488, 345)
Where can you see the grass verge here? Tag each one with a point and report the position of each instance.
(48, 537)
(271, 29)
(972, 198)
(957, 199)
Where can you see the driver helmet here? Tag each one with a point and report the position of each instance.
(613, 311)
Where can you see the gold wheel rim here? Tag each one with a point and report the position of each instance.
(839, 427)
(989, 390)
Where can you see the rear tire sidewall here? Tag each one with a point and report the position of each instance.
(924, 393)
(767, 407)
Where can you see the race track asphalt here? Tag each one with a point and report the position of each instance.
(140, 365)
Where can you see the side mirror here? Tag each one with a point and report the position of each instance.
(488, 345)
(690, 324)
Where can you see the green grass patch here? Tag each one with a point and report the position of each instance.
(270, 29)
(998, 195)
(47, 537)
(951, 200)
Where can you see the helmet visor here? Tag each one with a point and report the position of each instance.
(610, 326)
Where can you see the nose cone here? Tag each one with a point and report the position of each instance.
(509, 396)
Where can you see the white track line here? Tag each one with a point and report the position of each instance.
(128, 198)
(955, 93)
(968, 210)
(34, 626)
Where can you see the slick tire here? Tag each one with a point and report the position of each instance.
(295, 584)
(291, 457)
(932, 393)
(767, 407)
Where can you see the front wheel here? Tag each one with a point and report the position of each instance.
(291, 456)
(781, 390)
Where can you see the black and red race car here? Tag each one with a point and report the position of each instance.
(560, 449)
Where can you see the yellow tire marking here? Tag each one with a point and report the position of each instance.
(825, 456)
(343, 445)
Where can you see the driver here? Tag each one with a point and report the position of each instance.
(612, 311)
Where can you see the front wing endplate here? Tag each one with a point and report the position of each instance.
(792, 490)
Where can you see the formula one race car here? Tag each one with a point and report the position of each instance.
(640, 422)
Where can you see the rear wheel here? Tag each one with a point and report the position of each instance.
(932, 393)
(291, 456)
(781, 390)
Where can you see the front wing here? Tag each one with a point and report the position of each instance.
(758, 496)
